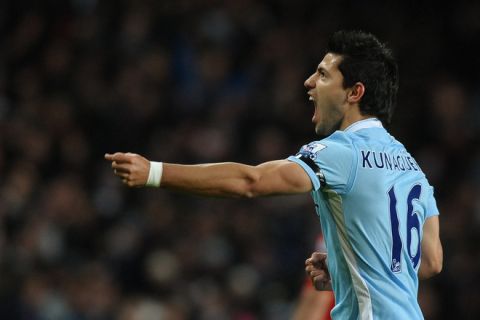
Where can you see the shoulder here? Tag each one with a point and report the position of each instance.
(334, 156)
(337, 144)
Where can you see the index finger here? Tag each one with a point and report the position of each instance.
(318, 256)
(117, 156)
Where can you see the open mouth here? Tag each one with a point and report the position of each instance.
(310, 98)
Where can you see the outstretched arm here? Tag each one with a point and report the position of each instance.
(432, 252)
(216, 179)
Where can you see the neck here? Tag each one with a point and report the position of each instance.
(352, 117)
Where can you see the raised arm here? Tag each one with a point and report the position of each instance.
(216, 179)
(432, 252)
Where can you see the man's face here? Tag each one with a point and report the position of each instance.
(325, 88)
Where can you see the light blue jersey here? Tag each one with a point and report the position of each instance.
(372, 199)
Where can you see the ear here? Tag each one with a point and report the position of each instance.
(356, 93)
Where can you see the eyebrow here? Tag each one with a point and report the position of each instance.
(320, 68)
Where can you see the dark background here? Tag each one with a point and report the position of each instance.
(207, 81)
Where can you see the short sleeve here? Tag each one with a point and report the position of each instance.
(328, 162)
(432, 209)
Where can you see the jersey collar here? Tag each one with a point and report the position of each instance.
(364, 124)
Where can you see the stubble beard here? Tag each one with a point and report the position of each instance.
(331, 123)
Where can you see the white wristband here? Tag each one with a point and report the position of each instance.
(155, 174)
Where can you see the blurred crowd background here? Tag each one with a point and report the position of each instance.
(202, 81)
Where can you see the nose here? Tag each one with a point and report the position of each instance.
(309, 83)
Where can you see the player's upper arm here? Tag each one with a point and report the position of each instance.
(280, 177)
(328, 162)
(432, 252)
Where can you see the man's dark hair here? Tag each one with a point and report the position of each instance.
(365, 59)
